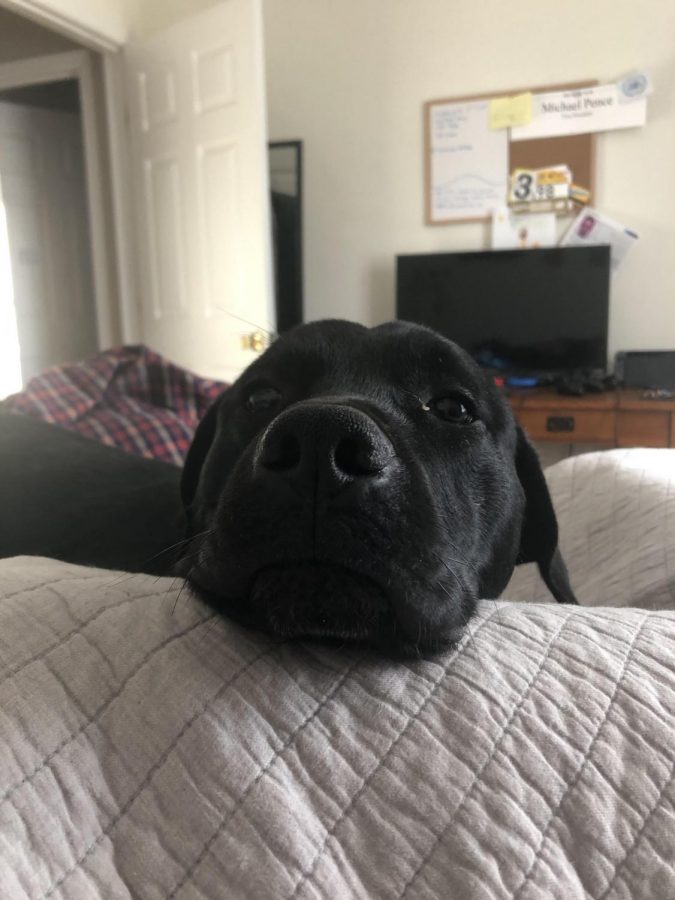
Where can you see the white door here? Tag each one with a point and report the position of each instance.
(44, 195)
(199, 149)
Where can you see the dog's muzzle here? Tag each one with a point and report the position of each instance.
(328, 465)
(315, 533)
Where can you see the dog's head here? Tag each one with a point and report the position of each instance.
(364, 484)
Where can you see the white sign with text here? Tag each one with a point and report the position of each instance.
(580, 112)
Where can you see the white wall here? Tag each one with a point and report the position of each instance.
(349, 78)
(145, 16)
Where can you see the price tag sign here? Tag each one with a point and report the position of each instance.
(533, 185)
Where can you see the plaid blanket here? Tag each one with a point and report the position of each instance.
(128, 397)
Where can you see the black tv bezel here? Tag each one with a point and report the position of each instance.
(604, 249)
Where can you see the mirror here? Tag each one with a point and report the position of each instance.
(285, 164)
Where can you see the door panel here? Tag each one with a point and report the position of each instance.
(197, 113)
(165, 214)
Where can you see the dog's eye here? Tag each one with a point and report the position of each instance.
(261, 398)
(450, 408)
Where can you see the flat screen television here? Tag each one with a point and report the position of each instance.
(521, 311)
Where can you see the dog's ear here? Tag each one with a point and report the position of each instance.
(199, 447)
(539, 535)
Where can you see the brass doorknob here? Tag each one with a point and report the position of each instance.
(256, 341)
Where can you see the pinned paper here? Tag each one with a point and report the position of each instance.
(469, 162)
(634, 86)
(522, 232)
(592, 227)
(507, 112)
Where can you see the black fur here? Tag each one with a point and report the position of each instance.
(347, 508)
(324, 493)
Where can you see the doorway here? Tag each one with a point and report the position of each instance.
(58, 282)
(43, 189)
(175, 165)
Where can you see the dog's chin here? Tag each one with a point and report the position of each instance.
(331, 603)
(319, 600)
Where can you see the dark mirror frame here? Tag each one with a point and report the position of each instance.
(285, 165)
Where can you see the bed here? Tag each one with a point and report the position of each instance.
(128, 397)
(148, 749)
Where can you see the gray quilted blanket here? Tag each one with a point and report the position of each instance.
(148, 749)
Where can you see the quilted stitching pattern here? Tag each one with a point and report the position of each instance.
(616, 512)
(175, 755)
(148, 752)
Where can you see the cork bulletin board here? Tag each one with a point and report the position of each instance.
(463, 168)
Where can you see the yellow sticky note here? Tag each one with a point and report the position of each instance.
(507, 112)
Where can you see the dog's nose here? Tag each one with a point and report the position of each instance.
(334, 443)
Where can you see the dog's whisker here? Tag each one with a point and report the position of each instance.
(129, 575)
(463, 560)
(467, 623)
(170, 589)
(180, 543)
(226, 312)
(466, 619)
(122, 579)
(448, 569)
(186, 557)
(213, 624)
(468, 562)
(182, 588)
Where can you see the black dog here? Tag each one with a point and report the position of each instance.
(354, 484)
(364, 485)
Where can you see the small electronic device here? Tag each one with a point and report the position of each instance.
(646, 369)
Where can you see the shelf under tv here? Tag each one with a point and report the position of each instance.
(618, 418)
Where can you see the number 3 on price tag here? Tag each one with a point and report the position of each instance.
(530, 185)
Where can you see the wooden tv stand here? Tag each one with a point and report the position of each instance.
(614, 419)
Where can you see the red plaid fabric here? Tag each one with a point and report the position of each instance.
(128, 397)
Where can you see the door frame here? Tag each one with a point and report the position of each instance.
(78, 65)
(102, 29)
(122, 213)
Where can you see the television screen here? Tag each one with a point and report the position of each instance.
(522, 311)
